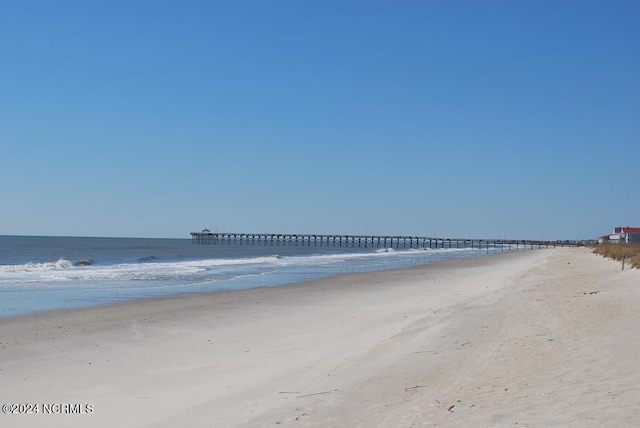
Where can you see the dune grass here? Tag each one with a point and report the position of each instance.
(628, 254)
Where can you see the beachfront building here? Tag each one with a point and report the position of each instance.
(621, 235)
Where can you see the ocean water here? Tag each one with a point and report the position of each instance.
(46, 273)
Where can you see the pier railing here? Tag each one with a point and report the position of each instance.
(366, 241)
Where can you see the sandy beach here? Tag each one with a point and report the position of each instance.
(529, 339)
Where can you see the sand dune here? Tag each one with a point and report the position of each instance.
(535, 338)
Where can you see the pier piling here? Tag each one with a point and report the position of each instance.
(368, 241)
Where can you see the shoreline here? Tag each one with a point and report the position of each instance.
(50, 286)
(136, 300)
(475, 341)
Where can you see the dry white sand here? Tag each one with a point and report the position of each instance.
(537, 338)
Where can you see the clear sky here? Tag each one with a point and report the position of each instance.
(517, 119)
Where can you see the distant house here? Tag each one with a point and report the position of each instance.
(621, 235)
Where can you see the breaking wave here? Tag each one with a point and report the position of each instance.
(35, 267)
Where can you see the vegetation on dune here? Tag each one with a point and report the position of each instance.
(628, 254)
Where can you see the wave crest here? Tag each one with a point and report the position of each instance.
(60, 264)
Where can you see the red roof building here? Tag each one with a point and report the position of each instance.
(621, 235)
(627, 229)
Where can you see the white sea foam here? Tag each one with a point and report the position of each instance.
(31, 267)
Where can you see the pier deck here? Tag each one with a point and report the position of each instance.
(366, 241)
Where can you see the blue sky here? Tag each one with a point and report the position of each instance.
(455, 118)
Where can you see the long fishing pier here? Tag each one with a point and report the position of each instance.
(366, 241)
